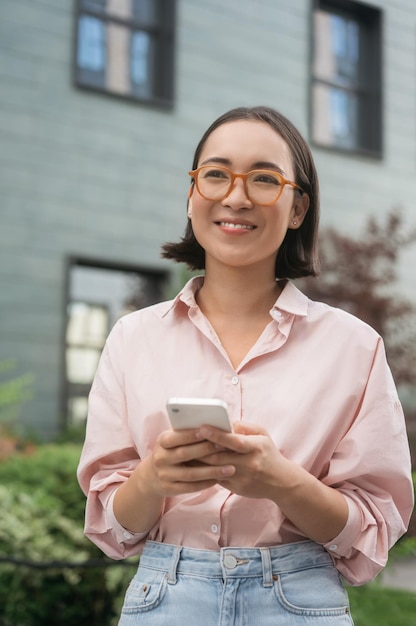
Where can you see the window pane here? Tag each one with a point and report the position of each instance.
(142, 63)
(77, 409)
(91, 45)
(335, 115)
(87, 325)
(337, 49)
(114, 290)
(91, 51)
(81, 364)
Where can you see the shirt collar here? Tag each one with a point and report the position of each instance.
(291, 300)
(185, 296)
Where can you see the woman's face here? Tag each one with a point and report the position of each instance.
(234, 231)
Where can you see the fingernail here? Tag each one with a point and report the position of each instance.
(205, 432)
(227, 470)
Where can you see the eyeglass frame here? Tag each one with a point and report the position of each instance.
(284, 181)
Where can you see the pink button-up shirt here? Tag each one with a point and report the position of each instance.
(317, 379)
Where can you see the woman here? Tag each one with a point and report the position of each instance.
(253, 526)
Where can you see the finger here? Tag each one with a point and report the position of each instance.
(230, 441)
(196, 473)
(174, 438)
(192, 452)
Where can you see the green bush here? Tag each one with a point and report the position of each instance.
(41, 523)
(44, 579)
(373, 605)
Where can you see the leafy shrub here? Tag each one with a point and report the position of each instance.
(46, 573)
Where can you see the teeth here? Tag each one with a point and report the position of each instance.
(231, 225)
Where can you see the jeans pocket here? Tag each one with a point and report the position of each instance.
(313, 592)
(145, 592)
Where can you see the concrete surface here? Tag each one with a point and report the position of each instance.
(400, 575)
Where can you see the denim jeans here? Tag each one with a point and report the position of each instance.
(287, 585)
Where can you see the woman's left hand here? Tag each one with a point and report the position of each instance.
(261, 469)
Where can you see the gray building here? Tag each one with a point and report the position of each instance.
(101, 105)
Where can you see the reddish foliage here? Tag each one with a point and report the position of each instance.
(358, 275)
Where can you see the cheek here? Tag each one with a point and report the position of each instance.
(199, 206)
(198, 200)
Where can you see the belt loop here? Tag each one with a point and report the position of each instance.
(174, 565)
(266, 563)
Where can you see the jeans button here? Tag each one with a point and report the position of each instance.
(230, 561)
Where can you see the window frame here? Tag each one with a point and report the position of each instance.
(164, 70)
(370, 121)
(161, 278)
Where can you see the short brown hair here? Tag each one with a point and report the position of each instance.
(297, 254)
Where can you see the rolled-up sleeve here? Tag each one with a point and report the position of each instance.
(109, 455)
(372, 468)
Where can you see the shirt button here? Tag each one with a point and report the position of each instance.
(333, 547)
(234, 380)
(214, 528)
(127, 535)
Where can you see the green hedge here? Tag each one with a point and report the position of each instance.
(43, 551)
(41, 523)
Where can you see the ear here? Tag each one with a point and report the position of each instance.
(299, 210)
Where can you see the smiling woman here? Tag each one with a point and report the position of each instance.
(256, 524)
(297, 255)
(262, 204)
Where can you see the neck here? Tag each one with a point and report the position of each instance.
(237, 291)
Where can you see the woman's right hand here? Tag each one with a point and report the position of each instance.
(174, 467)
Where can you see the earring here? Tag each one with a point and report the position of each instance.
(294, 222)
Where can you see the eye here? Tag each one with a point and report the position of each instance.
(268, 178)
(215, 172)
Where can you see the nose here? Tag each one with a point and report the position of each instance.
(237, 197)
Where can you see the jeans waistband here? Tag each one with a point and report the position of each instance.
(234, 562)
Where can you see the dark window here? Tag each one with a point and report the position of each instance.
(346, 77)
(126, 48)
(97, 295)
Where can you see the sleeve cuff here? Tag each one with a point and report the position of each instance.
(120, 534)
(342, 544)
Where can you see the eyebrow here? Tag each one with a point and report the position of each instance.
(258, 165)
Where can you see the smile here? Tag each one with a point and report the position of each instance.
(237, 226)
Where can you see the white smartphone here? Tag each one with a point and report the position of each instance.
(194, 412)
